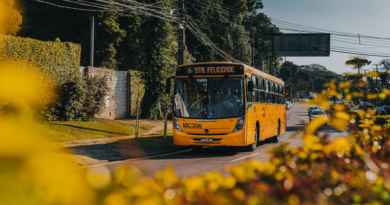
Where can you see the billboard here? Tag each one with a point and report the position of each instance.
(297, 44)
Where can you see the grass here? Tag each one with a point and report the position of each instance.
(98, 128)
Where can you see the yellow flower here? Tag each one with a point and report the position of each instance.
(338, 145)
(192, 184)
(168, 176)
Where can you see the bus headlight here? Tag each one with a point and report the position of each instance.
(176, 124)
(239, 124)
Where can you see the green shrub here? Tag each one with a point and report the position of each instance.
(80, 100)
(60, 60)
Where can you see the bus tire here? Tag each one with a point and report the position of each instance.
(276, 138)
(252, 147)
(197, 148)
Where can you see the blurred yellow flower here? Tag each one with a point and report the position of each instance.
(338, 145)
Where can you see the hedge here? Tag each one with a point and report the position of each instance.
(60, 60)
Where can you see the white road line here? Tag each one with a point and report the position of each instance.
(290, 110)
(290, 140)
(244, 157)
(126, 160)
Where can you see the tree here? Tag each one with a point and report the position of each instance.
(158, 61)
(10, 17)
(384, 75)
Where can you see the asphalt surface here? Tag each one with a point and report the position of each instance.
(189, 163)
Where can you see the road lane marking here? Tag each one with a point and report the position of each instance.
(244, 157)
(290, 140)
(125, 160)
(290, 110)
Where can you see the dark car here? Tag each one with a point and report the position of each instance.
(368, 106)
(311, 108)
(380, 111)
(387, 108)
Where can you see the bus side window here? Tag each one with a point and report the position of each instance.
(266, 85)
(257, 96)
(276, 88)
(263, 97)
(254, 82)
(269, 97)
(274, 98)
(260, 83)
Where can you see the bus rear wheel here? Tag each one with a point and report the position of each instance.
(276, 138)
(252, 147)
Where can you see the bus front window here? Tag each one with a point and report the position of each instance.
(209, 98)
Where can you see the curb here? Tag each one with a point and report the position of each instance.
(177, 150)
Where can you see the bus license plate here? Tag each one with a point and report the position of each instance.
(206, 139)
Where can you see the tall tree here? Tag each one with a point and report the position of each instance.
(158, 61)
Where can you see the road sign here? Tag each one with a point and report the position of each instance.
(298, 44)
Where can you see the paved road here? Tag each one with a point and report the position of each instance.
(189, 163)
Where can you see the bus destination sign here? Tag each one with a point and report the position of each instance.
(210, 70)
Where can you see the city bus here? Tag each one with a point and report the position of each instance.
(226, 104)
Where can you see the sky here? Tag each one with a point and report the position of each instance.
(364, 17)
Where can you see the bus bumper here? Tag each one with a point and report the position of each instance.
(231, 139)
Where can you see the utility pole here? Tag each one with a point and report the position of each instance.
(253, 47)
(182, 35)
(92, 40)
(261, 56)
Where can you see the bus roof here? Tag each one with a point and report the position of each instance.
(247, 69)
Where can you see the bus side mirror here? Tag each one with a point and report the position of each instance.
(168, 86)
(250, 86)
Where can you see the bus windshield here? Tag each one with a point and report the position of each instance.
(209, 98)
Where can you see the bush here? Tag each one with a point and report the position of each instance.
(80, 100)
(60, 60)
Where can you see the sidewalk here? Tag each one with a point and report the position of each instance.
(96, 151)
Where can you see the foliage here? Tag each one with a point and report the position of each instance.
(80, 100)
(60, 60)
(110, 36)
(305, 78)
(161, 50)
(10, 18)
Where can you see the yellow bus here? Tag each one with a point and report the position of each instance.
(226, 104)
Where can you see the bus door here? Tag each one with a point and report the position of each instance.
(268, 109)
(261, 112)
(251, 113)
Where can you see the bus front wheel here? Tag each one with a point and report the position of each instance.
(253, 146)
